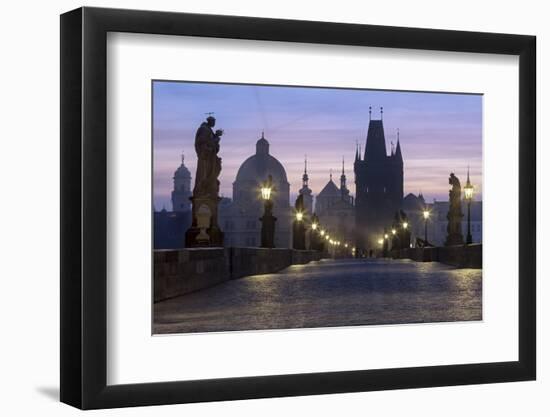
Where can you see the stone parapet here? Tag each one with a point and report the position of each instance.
(181, 271)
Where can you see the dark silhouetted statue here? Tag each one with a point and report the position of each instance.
(454, 216)
(204, 230)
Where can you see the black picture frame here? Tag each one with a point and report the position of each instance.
(84, 207)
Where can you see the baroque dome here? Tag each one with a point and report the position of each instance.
(257, 167)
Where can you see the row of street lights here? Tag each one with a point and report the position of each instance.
(468, 196)
(319, 235)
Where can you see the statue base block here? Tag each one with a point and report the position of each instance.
(453, 240)
(196, 237)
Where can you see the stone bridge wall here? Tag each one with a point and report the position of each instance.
(181, 271)
(462, 256)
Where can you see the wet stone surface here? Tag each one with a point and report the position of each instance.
(329, 293)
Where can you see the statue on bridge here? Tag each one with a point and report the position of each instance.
(204, 230)
(454, 216)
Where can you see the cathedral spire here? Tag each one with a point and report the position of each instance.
(356, 150)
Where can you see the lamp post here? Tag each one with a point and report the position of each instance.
(406, 240)
(426, 214)
(313, 238)
(298, 226)
(468, 195)
(268, 220)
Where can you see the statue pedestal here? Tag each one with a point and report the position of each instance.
(454, 239)
(204, 230)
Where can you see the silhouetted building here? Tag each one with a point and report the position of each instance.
(306, 191)
(414, 207)
(379, 186)
(335, 209)
(182, 188)
(437, 228)
(240, 218)
(437, 222)
(169, 226)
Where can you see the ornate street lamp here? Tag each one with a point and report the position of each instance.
(469, 195)
(268, 220)
(426, 214)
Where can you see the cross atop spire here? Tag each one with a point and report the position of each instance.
(331, 174)
(182, 157)
(263, 134)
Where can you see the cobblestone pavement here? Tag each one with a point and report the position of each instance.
(328, 293)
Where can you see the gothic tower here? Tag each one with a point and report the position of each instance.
(379, 185)
(182, 188)
(306, 191)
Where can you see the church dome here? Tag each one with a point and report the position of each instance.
(257, 167)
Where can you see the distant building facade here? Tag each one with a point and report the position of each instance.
(378, 186)
(169, 226)
(336, 210)
(437, 222)
(181, 192)
(240, 218)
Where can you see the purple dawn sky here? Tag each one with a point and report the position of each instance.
(439, 133)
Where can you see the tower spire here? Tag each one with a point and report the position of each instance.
(305, 177)
(398, 154)
(356, 150)
(182, 157)
(343, 178)
(381, 113)
(370, 112)
(331, 174)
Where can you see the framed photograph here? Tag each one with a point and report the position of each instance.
(258, 207)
